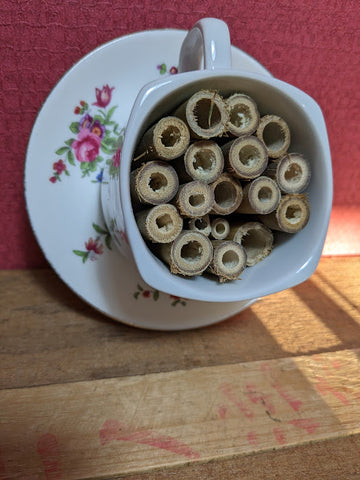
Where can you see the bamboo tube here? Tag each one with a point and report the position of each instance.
(166, 140)
(245, 157)
(220, 228)
(160, 224)
(189, 254)
(200, 224)
(291, 216)
(227, 195)
(275, 134)
(194, 199)
(203, 160)
(229, 260)
(256, 238)
(243, 115)
(205, 113)
(153, 183)
(261, 195)
(292, 173)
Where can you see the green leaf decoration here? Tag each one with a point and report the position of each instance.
(100, 230)
(98, 117)
(113, 225)
(108, 241)
(61, 150)
(67, 173)
(106, 149)
(140, 288)
(156, 295)
(136, 294)
(71, 158)
(107, 140)
(162, 68)
(80, 253)
(92, 166)
(70, 141)
(74, 127)
(110, 112)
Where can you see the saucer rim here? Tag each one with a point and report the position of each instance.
(228, 308)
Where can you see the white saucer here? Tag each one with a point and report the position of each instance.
(67, 213)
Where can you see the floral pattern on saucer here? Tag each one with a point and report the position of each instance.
(97, 138)
(95, 246)
(154, 295)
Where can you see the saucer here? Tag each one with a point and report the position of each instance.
(74, 138)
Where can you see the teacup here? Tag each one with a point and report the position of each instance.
(294, 257)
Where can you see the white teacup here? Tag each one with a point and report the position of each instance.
(294, 257)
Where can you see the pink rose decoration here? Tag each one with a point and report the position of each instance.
(103, 96)
(87, 146)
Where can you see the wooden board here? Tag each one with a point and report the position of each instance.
(252, 397)
(126, 425)
(48, 335)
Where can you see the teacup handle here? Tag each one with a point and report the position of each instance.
(209, 39)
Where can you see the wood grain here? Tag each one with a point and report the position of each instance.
(333, 459)
(137, 424)
(272, 392)
(48, 335)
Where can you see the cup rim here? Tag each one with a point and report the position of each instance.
(152, 270)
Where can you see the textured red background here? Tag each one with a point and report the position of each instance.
(312, 44)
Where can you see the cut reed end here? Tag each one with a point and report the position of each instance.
(228, 194)
(291, 216)
(190, 253)
(160, 224)
(257, 240)
(293, 173)
(220, 228)
(229, 260)
(200, 224)
(194, 199)
(206, 114)
(154, 183)
(171, 138)
(243, 115)
(246, 157)
(261, 196)
(204, 160)
(274, 132)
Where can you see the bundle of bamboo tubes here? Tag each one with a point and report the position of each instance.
(213, 182)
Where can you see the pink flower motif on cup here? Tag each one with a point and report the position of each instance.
(116, 158)
(94, 247)
(103, 96)
(86, 146)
